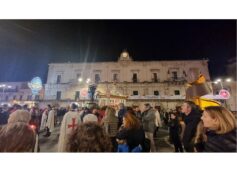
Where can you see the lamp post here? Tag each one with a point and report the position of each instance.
(228, 80)
(221, 83)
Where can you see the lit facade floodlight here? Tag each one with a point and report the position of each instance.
(80, 79)
(3, 85)
(218, 80)
(228, 80)
(9, 86)
(215, 82)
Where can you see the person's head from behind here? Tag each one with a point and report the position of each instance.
(147, 106)
(187, 107)
(121, 106)
(49, 107)
(109, 112)
(218, 119)
(95, 111)
(17, 137)
(19, 116)
(73, 106)
(89, 137)
(130, 121)
(16, 106)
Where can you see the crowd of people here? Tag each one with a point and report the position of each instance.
(118, 128)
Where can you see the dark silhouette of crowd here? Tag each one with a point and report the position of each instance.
(118, 128)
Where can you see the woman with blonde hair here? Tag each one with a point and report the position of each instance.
(221, 129)
(19, 116)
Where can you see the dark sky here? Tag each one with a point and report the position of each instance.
(27, 46)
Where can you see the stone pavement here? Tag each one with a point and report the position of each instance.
(49, 144)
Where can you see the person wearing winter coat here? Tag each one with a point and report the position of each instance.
(192, 117)
(221, 133)
(110, 125)
(148, 122)
(131, 136)
(175, 132)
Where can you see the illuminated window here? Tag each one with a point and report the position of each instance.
(58, 96)
(97, 78)
(58, 79)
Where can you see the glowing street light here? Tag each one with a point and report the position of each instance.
(80, 79)
(88, 80)
(228, 80)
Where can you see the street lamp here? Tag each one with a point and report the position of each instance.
(228, 80)
(220, 81)
(88, 80)
(80, 79)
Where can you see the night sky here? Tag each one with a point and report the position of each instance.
(27, 46)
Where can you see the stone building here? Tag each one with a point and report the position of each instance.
(159, 82)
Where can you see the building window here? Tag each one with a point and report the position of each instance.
(135, 92)
(77, 95)
(156, 93)
(134, 77)
(20, 97)
(29, 97)
(36, 97)
(174, 75)
(176, 92)
(155, 78)
(58, 96)
(115, 77)
(78, 75)
(97, 78)
(58, 79)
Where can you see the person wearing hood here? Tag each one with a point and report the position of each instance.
(192, 117)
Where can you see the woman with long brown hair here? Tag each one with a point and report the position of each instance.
(131, 132)
(89, 137)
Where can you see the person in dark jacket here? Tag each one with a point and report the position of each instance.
(192, 117)
(175, 132)
(4, 115)
(148, 122)
(131, 132)
(121, 113)
(221, 125)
